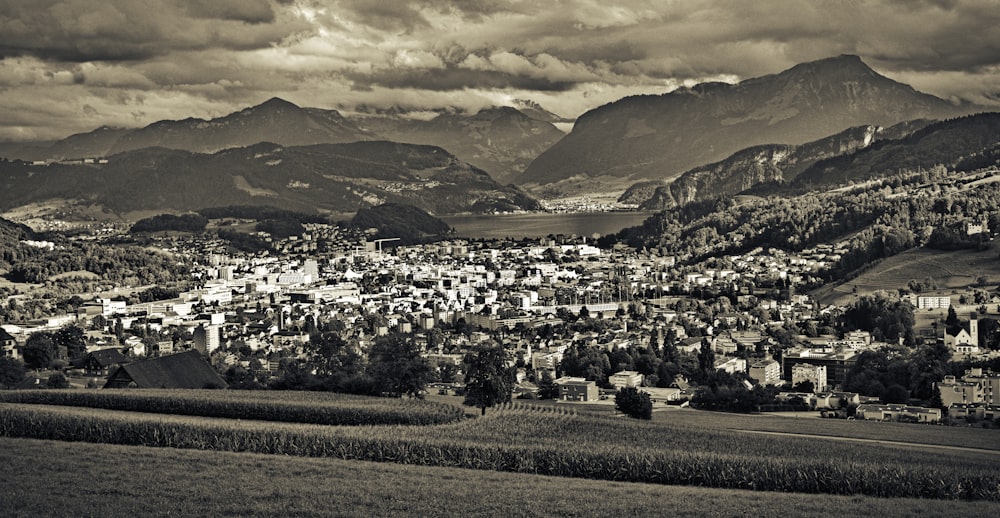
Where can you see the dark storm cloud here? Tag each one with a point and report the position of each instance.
(137, 61)
(450, 79)
(117, 30)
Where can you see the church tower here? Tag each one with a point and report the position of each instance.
(973, 330)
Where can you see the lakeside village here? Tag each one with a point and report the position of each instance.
(578, 321)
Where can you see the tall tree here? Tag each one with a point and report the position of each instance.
(71, 338)
(395, 365)
(489, 379)
(706, 358)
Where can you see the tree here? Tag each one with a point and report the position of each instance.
(39, 350)
(634, 403)
(706, 358)
(397, 368)
(804, 386)
(547, 388)
(895, 394)
(489, 379)
(12, 371)
(72, 338)
(952, 324)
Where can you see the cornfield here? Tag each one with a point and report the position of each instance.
(292, 407)
(548, 442)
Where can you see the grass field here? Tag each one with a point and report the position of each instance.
(553, 441)
(949, 269)
(264, 405)
(54, 478)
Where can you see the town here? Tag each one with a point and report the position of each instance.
(579, 323)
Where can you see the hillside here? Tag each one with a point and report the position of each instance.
(946, 143)
(657, 137)
(392, 220)
(323, 177)
(768, 163)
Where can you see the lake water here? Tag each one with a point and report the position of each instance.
(542, 224)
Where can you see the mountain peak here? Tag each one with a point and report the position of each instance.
(848, 63)
(275, 103)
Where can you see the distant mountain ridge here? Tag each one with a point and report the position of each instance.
(315, 178)
(276, 120)
(657, 137)
(499, 140)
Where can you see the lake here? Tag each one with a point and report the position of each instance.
(542, 224)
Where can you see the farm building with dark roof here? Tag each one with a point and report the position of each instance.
(182, 370)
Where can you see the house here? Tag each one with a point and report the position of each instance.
(102, 361)
(8, 344)
(900, 413)
(577, 389)
(182, 370)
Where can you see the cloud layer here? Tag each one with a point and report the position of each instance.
(71, 65)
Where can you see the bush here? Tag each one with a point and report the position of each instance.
(57, 381)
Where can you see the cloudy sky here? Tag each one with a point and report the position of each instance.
(69, 66)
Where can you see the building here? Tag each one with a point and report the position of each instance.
(182, 370)
(808, 372)
(965, 339)
(731, 365)
(625, 379)
(766, 372)
(975, 386)
(577, 389)
(8, 344)
(837, 363)
(980, 411)
(899, 413)
(102, 361)
(954, 391)
(206, 338)
(927, 302)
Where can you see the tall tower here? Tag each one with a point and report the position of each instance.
(973, 330)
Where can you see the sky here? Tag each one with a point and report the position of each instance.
(70, 66)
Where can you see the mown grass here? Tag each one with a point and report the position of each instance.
(939, 435)
(282, 406)
(44, 478)
(553, 443)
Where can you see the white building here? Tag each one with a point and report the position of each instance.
(625, 379)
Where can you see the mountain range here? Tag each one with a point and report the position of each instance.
(337, 178)
(499, 140)
(816, 124)
(658, 137)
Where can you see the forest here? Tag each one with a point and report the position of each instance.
(870, 222)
